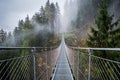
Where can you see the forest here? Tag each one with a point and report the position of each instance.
(97, 25)
(40, 31)
(94, 24)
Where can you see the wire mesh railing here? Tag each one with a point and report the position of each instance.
(87, 66)
(37, 64)
(16, 68)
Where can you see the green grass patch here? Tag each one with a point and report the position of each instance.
(69, 35)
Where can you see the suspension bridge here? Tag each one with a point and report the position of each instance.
(62, 63)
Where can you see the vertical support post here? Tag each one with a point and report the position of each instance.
(46, 63)
(51, 58)
(51, 67)
(74, 65)
(78, 66)
(34, 62)
(89, 65)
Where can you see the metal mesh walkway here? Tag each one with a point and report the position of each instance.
(62, 69)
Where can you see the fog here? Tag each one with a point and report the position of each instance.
(11, 11)
(74, 14)
(70, 14)
(78, 13)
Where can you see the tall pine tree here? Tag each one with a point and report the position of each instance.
(102, 36)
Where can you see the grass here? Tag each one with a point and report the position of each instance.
(69, 35)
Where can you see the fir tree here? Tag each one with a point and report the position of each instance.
(102, 35)
(3, 36)
(27, 23)
(47, 10)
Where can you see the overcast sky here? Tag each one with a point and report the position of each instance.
(11, 11)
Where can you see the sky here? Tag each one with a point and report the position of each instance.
(11, 11)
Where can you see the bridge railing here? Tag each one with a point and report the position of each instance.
(37, 63)
(87, 66)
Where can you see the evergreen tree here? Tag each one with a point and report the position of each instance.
(40, 18)
(102, 34)
(21, 24)
(43, 18)
(9, 40)
(16, 36)
(27, 23)
(57, 19)
(47, 10)
(57, 8)
(18, 33)
(3, 36)
(53, 15)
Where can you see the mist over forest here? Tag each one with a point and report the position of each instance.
(79, 16)
(77, 41)
(40, 30)
(84, 23)
(81, 12)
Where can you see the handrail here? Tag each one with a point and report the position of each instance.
(109, 49)
(11, 48)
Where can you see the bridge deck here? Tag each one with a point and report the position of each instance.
(62, 70)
